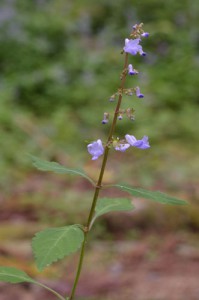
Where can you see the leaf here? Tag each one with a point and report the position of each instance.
(54, 243)
(105, 205)
(52, 166)
(14, 275)
(151, 195)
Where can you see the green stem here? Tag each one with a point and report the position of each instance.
(99, 182)
(79, 267)
(50, 290)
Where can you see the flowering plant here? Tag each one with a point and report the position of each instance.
(53, 244)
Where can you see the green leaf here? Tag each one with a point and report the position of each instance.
(105, 205)
(55, 243)
(14, 275)
(151, 195)
(51, 166)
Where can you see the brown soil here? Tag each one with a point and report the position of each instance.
(153, 268)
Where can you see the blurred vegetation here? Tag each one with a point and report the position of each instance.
(60, 62)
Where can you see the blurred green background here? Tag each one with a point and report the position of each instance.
(60, 61)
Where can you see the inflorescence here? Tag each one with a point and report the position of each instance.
(133, 47)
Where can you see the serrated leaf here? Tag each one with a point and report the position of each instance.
(151, 195)
(105, 205)
(53, 244)
(14, 275)
(51, 166)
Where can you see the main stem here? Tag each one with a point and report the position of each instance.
(99, 182)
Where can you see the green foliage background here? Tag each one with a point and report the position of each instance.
(60, 62)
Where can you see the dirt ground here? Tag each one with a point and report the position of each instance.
(155, 267)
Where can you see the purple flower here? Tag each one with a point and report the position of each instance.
(138, 94)
(132, 71)
(145, 34)
(122, 147)
(142, 144)
(132, 46)
(96, 149)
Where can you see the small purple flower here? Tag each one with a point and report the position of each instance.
(132, 71)
(141, 144)
(122, 147)
(96, 149)
(132, 46)
(138, 94)
(145, 34)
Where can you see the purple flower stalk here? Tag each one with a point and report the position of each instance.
(131, 71)
(137, 92)
(141, 144)
(96, 149)
(132, 46)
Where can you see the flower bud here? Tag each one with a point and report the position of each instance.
(106, 118)
(145, 34)
(142, 53)
(138, 94)
(131, 70)
(112, 98)
(129, 113)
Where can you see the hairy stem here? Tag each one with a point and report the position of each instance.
(99, 182)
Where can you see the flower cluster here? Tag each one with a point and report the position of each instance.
(132, 46)
(96, 148)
